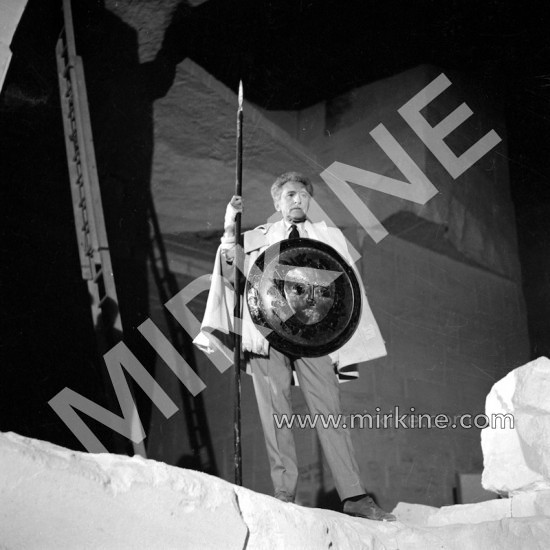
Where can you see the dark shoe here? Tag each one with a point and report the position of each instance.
(284, 496)
(367, 508)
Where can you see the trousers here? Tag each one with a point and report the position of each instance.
(272, 377)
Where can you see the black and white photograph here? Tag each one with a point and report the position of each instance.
(275, 274)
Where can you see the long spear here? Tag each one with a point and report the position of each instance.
(239, 266)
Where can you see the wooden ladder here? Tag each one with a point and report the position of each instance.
(91, 234)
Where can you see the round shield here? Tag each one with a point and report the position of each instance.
(303, 297)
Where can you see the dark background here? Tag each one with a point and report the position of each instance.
(290, 54)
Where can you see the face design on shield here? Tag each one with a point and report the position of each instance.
(309, 293)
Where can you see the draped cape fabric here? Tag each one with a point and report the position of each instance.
(365, 344)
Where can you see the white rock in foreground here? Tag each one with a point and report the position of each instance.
(518, 458)
(56, 498)
(521, 505)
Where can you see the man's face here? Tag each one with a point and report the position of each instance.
(293, 202)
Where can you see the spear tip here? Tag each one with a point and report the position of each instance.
(240, 94)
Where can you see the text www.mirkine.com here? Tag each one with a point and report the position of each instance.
(395, 420)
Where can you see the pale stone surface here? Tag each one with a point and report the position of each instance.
(507, 534)
(521, 505)
(532, 503)
(56, 498)
(415, 514)
(518, 458)
(10, 14)
(479, 512)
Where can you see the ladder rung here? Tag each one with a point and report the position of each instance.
(98, 274)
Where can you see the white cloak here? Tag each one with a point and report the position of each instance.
(365, 344)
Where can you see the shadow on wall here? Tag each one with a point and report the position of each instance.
(121, 92)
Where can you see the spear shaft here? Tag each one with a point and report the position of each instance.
(239, 266)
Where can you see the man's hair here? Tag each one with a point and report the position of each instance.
(277, 187)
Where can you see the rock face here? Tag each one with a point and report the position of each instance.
(10, 14)
(517, 458)
(56, 498)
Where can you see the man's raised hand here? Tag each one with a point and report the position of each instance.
(233, 208)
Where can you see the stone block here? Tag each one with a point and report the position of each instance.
(56, 498)
(506, 534)
(479, 512)
(532, 503)
(518, 458)
(416, 514)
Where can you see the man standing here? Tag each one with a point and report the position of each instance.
(272, 370)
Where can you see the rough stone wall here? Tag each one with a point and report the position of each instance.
(194, 159)
(472, 208)
(451, 330)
